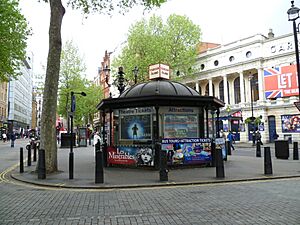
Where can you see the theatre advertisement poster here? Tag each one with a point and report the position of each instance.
(290, 123)
(187, 150)
(281, 82)
(180, 123)
(126, 155)
(135, 124)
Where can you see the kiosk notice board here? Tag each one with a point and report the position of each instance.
(187, 150)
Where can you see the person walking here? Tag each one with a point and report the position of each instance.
(231, 139)
(12, 139)
(258, 137)
(4, 137)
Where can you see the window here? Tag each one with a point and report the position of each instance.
(202, 66)
(231, 58)
(248, 54)
(216, 62)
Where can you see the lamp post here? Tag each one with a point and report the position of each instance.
(106, 71)
(252, 114)
(71, 154)
(293, 14)
(121, 80)
(135, 73)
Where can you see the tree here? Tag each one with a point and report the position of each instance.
(13, 34)
(174, 43)
(48, 138)
(72, 69)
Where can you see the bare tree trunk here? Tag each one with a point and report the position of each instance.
(48, 134)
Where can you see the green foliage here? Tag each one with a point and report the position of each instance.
(257, 120)
(72, 79)
(151, 42)
(13, 35)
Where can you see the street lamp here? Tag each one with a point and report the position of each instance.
(106, 71)
(293, 14)
(252, 114)
(135, 72)
(121, 80)
(71, 154)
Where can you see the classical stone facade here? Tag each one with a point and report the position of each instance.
(237, 73)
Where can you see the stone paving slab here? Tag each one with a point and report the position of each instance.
(237, 168)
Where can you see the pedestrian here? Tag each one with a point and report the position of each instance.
(4, 137)
(231, 139)
(258, 137)
(13, 138)
(222, 135)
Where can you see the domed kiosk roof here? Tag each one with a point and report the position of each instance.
(159, 87)
(160, 93)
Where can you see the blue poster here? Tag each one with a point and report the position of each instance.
(136, 127)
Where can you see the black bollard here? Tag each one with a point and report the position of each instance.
(21, 161)
(213, 154)
(295, 151)
(157, 156)
(42, 164)
(258, 149)
(28, 147)
(228, 147)
(34, 151)
(267, 161)
(99, 175)
(163, 172)
(220, 173)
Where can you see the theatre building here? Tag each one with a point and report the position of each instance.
(256, 78)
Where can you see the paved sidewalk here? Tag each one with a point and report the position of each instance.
(237, 168)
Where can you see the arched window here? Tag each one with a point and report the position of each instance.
(221, 91)
(237, 93)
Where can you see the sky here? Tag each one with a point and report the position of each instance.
(220, 21)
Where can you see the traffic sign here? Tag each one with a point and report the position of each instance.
(297, 104)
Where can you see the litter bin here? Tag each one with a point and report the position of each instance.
(65, 140)
(282, 149)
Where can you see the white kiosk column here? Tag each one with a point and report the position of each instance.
(242, 87)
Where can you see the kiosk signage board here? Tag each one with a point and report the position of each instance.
(187, 150)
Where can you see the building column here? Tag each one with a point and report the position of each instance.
(197, 86)
(225, 89)
(260, 76)
(242, 87)
(210, 87)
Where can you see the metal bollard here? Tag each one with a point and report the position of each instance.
(21, 161)
(220, 173)
(42, 164)
(258, 149)
(28, 147)
(295, 151)
(267, 161)
(34, 151)
(228, 147)
(163, 172)
(99, 175)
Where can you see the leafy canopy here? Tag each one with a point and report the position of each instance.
(13, 35)
(72, 78)
(151, 42)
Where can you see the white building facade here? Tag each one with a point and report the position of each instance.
(255, 77)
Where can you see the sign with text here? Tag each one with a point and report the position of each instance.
(281, 81)
(159, 71)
